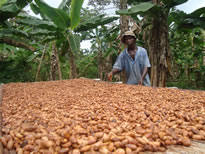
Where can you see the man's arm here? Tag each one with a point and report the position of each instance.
(113, 72)
(143, 76)
(146, 65)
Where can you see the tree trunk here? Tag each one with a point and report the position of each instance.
(73, 71)
(159, 46)
(100, 60)
(54, 63)
(59, 66)
(15, 43)
(123, 18)
(39, 66)
(123, 28)
(108, 62)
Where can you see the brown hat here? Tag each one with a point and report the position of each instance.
(127, 33)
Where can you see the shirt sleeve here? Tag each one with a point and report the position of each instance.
(119, 62)
(146, 59)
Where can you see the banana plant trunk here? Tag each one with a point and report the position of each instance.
(108, 62)
(100, 64)
(59, 66)
(100, 60)
(39, 66)
(73, 69)
(159, 48)
(123, 28)
(54, 63)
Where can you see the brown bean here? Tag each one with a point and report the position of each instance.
(131, 146)
(19, 135)
(128, 150)
(76, 151)
(30, 128)
(186, 142)
(10, 144)
(119, 151)
(97, 145)
(85, 148)
(141, 140)
(111, 146)
(28, 148)
(197, 137)
(63, 151)
(118, 144)
(99, 135)
(104, 150)
(66, 145)
(19, 151)
(106, 138)
(4, 141)
(131, 140)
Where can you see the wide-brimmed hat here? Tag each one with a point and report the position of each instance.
(127, 33)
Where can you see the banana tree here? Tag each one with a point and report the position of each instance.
(8, 33)
(187, 41)
(104, 46)
(157, 13)
(65, 21)
(56, 24)
(65, 24)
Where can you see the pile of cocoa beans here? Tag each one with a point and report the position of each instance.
(86, 116)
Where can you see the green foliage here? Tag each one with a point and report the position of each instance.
(94, 22)
(194, 19)
(137, 9)
(14, 67)
(11, 8)
(65, 5)
(167, 3)
(87, 66)
(187, 47)
(74, 42)
(11, 32)
(173, 3)
(134, 2)
(28, 20)
(2, 2)
(58, 16)
(76, 6)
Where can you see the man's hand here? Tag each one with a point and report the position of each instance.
(140, 82)
(109, 76)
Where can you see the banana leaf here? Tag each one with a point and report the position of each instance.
(74, 42)
(137, 9)
(11, 8)
(65, 5)
(11, 32)
(38, 23)
(76, 6)
(43, 32)
(94, 23)
(58, 16)
(2, 2)
(172, 3)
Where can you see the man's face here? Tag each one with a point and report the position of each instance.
(129, 40)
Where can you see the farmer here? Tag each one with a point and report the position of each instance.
(133, 60)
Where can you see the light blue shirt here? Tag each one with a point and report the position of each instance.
(134, 68)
